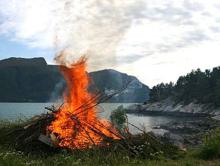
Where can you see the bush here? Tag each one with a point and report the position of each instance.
(118, 118)
(211, 147)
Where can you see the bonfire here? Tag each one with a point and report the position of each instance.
(75, 124)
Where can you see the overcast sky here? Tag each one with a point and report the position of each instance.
(156, 41)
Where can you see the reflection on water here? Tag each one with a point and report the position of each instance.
(15, 111)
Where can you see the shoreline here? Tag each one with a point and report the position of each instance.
(180, 133)
(167, 113)
(168, 107)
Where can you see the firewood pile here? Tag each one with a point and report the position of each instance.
(33, 136)
(34, 133)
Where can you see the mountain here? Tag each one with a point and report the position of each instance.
(110, 81)
(23, 62)
(33, 80)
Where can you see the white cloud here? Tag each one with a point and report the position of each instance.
(130, 35)
(168, 66)
(92, 26)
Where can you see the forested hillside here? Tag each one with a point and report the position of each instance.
(198, 86)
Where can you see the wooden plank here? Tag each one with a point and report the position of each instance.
(46, 140)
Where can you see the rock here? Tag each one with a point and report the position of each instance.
(174, 139)
(159, 132)
(217, 117)
(169, 107)
(169, 137)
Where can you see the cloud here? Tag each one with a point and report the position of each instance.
(170, 25)
(93, 26)
(128, 59)
(111, 32)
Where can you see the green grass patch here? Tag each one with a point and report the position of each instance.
(146, 155)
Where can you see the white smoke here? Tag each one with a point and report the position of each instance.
(94, 28)
(90, 27)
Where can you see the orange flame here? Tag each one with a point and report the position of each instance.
(76, 124)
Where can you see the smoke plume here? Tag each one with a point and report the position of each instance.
(93, 28)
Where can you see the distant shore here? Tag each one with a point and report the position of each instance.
(168, 107)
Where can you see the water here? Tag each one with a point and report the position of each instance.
(15, 111)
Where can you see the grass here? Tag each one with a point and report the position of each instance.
(10, 156)
(16, 158)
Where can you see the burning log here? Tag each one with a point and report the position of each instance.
(34, 135)
(35, 129)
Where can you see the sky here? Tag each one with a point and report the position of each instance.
(156, 41)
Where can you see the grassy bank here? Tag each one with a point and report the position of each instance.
(16, 158)
(207, 155)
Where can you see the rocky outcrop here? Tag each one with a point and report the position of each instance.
(169, 107)
(184, 134)
(179, 132)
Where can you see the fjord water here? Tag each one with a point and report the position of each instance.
(17, 111)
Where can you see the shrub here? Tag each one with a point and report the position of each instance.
(118, 118)
(211, 146)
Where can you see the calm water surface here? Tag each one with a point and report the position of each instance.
(16, 111)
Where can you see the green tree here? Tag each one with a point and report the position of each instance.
(197, 86)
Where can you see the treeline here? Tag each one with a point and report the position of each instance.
(202, 87)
